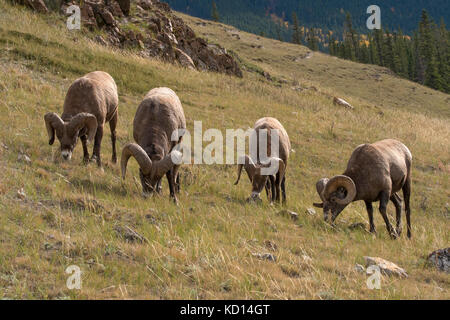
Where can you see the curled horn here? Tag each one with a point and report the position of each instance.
(249, 166)
(84, 120)
(337, 182)
(135, 150)
(53, 123)
(320, 187)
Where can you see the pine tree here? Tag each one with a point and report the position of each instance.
(296, 32)
(433, 78)
(349, 38)
(388, 51)
(215, 12)
(313, 42)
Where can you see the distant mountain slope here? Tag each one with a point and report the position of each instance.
(255, 15)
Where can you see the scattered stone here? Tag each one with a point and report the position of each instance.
(297, 88)
(311, 211)
(24, 158)
(53, 247)
(265, 256)
(290, 214)
(360, 268)
(21, 194)
(129, 234)
(440, 259)
(386, 267)
(343, 103)
(270, 245)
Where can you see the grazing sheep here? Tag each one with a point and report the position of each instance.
(91, 101)
(375, 172)
(159, 115)
(273, 182)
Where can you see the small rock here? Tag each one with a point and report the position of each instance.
(386, 267)
(265, 256)
(24, 158)
(108, 17)
(360, 268)
(342, 102)
(272, 246)
(290, 214)
(311, 211)
(21, 194)
(440, 259)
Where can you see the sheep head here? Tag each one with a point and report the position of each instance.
(254, 172)
(68, 132)
(150, 171)
(336, 193)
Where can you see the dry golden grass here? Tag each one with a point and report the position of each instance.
(204, 248)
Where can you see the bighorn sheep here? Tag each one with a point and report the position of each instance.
(375, 172)
(91, 101)
(159, 117)
(278, 179)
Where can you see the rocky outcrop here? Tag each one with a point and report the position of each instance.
(151, 27)
(440, 259)
(36, 5)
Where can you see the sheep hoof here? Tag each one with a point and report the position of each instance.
(114, 160)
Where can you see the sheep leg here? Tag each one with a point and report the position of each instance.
(278, 187)
(267, 188)
(178, 183)
(171, 179)
(283, 189)
(369, 208)
(85, 149)
(272, 188)
(398, 212)
(384, 199)
(112, 126)
(97, 146)
(406, 196)
(176, 176)
(159, 187)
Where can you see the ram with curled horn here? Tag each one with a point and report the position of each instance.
(157, 118)
(258, 170)
(375, 172)
(91, 101)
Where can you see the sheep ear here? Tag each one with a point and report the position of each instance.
(318, 205)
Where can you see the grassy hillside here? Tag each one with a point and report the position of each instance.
(204, 248)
